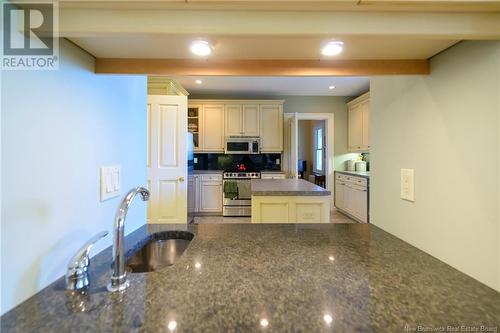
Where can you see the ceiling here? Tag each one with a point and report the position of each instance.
(170, 46)
(237, 86)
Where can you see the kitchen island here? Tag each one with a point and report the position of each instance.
(269, 278)
(289, 201)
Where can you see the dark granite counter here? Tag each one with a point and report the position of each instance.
(364, 174)
(286, 187)
(201, 172)
(271, 278)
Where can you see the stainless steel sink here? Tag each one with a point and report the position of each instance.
(163, 249)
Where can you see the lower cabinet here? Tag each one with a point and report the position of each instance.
(205, 193)
(351, 196)
(290, 209)
(193, 193)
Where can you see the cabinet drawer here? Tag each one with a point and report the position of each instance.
(273, 176)
(359, 181)
(213, 177)
(342, 177)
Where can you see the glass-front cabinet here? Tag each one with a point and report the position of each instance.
(194, 124)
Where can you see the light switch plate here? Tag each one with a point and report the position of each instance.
(110, 182)
(408, 184)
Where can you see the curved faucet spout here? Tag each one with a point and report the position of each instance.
(119, 280)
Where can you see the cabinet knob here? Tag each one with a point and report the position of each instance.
(181, 179)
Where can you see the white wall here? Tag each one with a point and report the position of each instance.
(58, 128)
(445, 126)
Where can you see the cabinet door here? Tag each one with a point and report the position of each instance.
(366, 125)
(348, 199)
(271, 128)
(233, 120)
(359, 203)
(211, 196)
(194, 113)
(355, 128)
(192, 193)
(251, 120)
(213, 128)
(339, 194)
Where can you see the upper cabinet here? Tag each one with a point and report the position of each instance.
(242, 120)
(212, 129)
(221, 118)
(251, 120)
(194, 121)
(271, 128)
(233, 120)
(359, 119)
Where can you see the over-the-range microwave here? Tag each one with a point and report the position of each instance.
(242, 145)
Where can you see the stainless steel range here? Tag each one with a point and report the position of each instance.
(237, 192)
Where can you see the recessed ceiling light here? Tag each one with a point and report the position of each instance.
(332, 48)
(264, 322)
(198, 81)
(328, 319)
(331, 87)
(201, 48)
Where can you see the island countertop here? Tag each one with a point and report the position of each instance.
(270, 278)
(286, 187)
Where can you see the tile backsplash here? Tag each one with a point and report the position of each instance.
(230, 161)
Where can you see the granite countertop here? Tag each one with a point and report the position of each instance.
(365, 174)
(199, 172)
(286, 187)
(298, 278)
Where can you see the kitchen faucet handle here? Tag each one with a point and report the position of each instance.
(76, 274)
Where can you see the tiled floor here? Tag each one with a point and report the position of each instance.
(335, 217)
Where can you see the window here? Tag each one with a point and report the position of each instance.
(319, 150)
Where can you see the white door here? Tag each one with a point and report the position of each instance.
(167, 159)
(294, 154)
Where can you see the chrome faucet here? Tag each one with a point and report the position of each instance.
(76, 275)
(119, 280)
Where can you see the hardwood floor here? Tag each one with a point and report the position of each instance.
(335, 217)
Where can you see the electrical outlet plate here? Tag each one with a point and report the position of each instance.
(408, 184)
(110, 182)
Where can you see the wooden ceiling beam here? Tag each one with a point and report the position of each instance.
(261, 67)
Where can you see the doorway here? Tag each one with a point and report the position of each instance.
(320, 169)
(311, 157)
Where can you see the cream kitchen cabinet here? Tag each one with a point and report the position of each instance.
(242, 120)
(213, 120)
(205, 193)
(351, 196)
(212, 128)
(358, 123)
(271, 128)
(193, 186)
